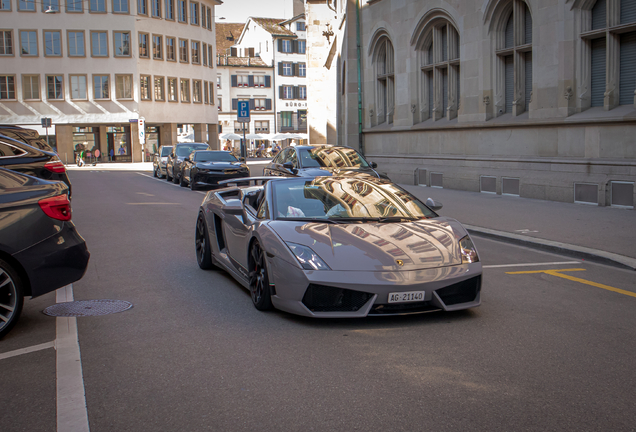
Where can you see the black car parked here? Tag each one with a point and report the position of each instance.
(321, 160)
(21, 154)
(40, 249)
(179, 152)
(208, 167)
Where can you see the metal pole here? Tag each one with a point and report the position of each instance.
(243, 144)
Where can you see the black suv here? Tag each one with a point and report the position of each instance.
(21, 150)
(179, 152)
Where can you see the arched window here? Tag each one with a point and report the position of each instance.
(438, 48)
(514, 59)
(609, 56)
(385, 80)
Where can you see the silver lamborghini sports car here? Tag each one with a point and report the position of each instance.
(337, 247)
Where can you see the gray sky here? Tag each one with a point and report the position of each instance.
(240, 10)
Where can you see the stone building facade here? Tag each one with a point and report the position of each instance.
(534, 98)
(94, 68)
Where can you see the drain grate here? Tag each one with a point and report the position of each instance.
(87, 308)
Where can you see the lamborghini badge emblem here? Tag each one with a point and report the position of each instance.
(399, 262)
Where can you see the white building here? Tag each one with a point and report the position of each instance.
(95, 67)
(242, 76)
(535, 98)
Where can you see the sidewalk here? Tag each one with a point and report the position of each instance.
(137, 166)
(604, 234)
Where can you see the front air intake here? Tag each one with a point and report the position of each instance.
(461, 292)
(321, 298)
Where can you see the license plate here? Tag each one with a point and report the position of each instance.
(405, 297)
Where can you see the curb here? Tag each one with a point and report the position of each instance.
(552, 246)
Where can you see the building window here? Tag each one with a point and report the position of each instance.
(156, 8)
(204, 52)
(182, 10)
(210, 57)
(611, 80)
(54, 88)
(99, 44)
(285, 69)
(6, 42)
(78, 86)
(302, 46)
(159, 90)
(26, 5)
(5, 5)
(196, 52)
(144, 87)
(142, 7)
(170, 53)
(52, 43)
(74, 6)
(194, 13)
(211, 91)
(286, 119)
(101, 85)
(219, 103)
(170, 10)
(157, 44)
(7, 87)
(143, 45)
(123, 86)
(31, 87)
(52, 5)
(240, 127)
(302, 69)
(302, 92)
(285, 45)
(513, 70)
(183, 50)
(439, 71)
(206, 93)
(76, 46)
(173, 94)
(261, 127)
(122, 44)
(120, 6)
(28, 43)
(385, 80)
(218, 82)
(209, 15)
(300, 26)
(196, 91)
(184, 88)
(97, 6)
(286, 92)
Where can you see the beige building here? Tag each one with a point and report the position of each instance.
(519, 97)
(95, 68)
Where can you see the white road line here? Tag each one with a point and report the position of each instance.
(71, 399)
(531, 264)
(27, 350)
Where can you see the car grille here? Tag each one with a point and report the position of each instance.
(461, 292)
(321, 298)
(403, 308)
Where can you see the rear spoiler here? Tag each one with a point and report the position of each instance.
(248, 181)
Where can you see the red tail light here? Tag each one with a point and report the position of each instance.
(55, 166)
(57, 207)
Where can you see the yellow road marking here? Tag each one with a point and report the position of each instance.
(558, 273)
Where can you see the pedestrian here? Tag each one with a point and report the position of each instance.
(112, 154)
(80, 158)
(122, 150)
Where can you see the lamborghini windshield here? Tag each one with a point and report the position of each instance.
(345, 200)
(327, 157)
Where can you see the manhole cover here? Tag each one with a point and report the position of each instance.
(87, 308)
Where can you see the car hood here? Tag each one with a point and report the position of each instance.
(219, 165)
(346, 172)
(417, 245)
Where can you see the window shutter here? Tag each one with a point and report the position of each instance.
(528, 69)
(268, 104)
(528, 25)
(444, 91)
(250, 80)
(598, 71)
(628, 11)
(281, 92)
(250, 52)
(268, 81)
(627, 68)
(233, 52)
(280, 68)
(280, 45)
(234, 104)
(294, 46)
(295, 93)
(431, 99)
(234, 81)
(444, 43)
(252, 104)
(510, 74)
(509, 35)
(295, 69)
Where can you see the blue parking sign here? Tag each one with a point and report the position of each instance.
(243, 111)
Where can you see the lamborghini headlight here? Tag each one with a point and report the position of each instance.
(468, 251)
(308, 259)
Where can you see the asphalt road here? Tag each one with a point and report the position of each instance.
(543, 352)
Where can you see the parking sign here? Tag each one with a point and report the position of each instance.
(243, 115)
